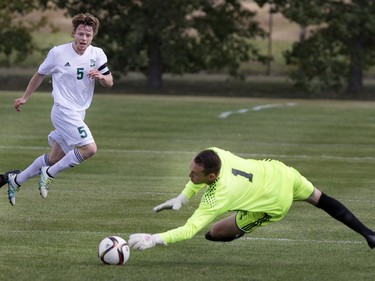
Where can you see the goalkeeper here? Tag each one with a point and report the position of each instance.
(257, 191)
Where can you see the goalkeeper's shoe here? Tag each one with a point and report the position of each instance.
(371, 240)
(13, 187)
(4, 177)
(44, 181)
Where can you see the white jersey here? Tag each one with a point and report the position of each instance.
(72, 88)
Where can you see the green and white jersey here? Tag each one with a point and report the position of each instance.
(72, 88)
(243, 185)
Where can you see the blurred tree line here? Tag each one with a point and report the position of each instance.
(187, 36)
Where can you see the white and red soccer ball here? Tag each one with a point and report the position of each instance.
(113, 250)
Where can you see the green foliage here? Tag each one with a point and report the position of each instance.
(157, 37)
(318, 64)
(145, 144)
(341, 44)
(15, 33)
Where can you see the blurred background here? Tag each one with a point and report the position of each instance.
(285, 48)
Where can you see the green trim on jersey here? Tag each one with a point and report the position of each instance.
(259, 186)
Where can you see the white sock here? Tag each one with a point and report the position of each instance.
(70, 160)
(33, 169)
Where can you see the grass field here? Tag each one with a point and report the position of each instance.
(145, 145)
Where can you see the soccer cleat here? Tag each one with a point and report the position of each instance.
(371, 240)
(4, 177)
(44, 182)
(13, 187)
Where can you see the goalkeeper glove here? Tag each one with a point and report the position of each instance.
(141, 241)
(174, 204)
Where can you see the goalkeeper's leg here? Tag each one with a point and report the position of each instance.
(225, 230)
(237, 225)
(338, 211)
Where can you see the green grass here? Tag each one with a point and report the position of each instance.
(145, 144)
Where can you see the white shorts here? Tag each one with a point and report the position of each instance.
(70, 129)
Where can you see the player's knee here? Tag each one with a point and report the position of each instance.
(211, 237)
(92, 149)
(91, 153)
(88, 150)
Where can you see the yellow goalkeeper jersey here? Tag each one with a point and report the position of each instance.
(266, 186)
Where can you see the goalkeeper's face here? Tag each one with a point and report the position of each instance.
(198, 176)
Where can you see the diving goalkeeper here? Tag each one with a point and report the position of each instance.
(258, 192)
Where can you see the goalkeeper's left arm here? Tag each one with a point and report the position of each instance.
(176, 203)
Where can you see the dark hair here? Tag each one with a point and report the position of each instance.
(86, 19)
(209, 160)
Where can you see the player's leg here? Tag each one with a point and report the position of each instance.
(16, 180)
(235, 226)
(305, 190)
(76, 134)
(338, 211)
(54, 156)
(225, 230)
(73, 158)
(3, 180)
(9, 177)
(75, 139)
(57, 153)
(5, 177)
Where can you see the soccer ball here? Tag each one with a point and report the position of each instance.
(113, 250)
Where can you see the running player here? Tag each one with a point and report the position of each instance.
(74, 68)
(258, 192)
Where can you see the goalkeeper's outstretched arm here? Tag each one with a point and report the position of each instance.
(174, 203)
(142, 241)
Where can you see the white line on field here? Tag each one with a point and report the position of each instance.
(225, 114)
(167, 193)
(248, 155)
(281, 240)
(303, 240)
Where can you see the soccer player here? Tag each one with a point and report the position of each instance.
(259, 192)
(74, 67)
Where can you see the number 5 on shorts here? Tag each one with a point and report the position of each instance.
(82, 132)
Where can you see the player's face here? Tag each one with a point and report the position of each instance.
(83, 36)
(197, 175)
